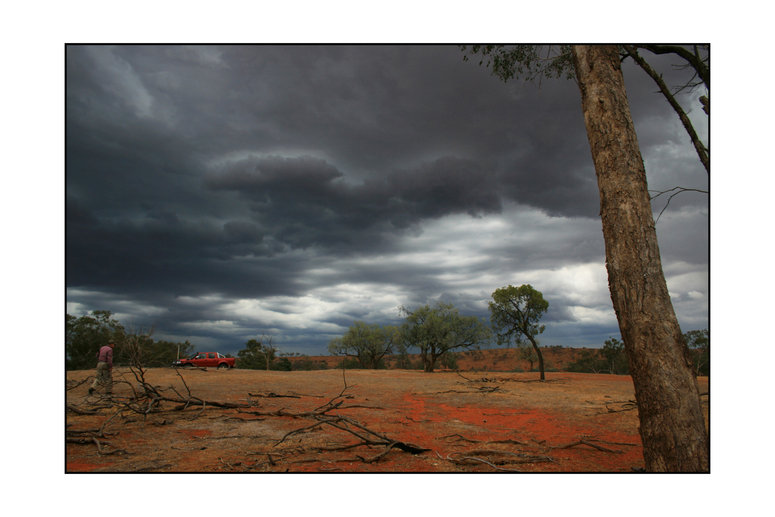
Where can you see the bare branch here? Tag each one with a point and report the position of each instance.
(679, 189)
(702, 151)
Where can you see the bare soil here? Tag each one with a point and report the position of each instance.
(464, 421)
(493, 360)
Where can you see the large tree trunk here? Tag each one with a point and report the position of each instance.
(671, 422)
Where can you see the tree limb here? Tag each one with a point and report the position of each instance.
(702, 151)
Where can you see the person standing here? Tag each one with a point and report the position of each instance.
(104, 369)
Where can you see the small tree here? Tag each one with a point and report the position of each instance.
(514, 315)
(440, 329)
(615, 357)
(589, 362)
(698, 342)
(257, 355)
(449, 361)
(529, 355)
(368, 344)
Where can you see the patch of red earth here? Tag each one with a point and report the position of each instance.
(81, 466)
(199, 433)
(543, 431)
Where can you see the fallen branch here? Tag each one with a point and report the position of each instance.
(93, 439)
(71, 385)
(585, 442)
(80, 411)
(271, 395)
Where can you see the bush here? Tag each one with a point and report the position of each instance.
(350, 363)
(448, 360)
(282, 364)
(589, 362)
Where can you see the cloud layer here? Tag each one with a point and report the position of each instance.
(222, 192)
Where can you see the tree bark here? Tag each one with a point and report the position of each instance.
(672, 426)
(540, 358)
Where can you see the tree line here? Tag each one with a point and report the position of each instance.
(612, 358)
(437, 331)
(85, 335)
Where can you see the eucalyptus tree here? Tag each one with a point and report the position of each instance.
(258, 354)
(514, 316)
(368, 344)
(672, 425)
(441, 329)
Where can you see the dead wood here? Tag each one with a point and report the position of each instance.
(368, 437)
(590, 444)
(271, 395)
(71, 385)
(80, 411)
(462, 438)
(93, 439)
(459, 437)
(628, 405)
(495, 458)
(592, 439)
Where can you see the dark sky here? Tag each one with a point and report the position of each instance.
(222, 192)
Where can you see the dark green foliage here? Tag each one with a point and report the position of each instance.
(440, 329)
(448, 360)
(283, 364)
(515, 313)
(609, 359)
(138, 349)
(367, 344)
(162, 353)
(255, 355)
(533, 62)
(615, 357)
(85, 335)
(350, 363)
(591, 361)
(698, 342)
(514, 316)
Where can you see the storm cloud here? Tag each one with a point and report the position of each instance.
(220, 192)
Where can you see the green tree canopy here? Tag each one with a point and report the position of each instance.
(85, 335)
(368, 344)
(257, 355)
(440, 329)
(164, 353)
(615, 357)
(514, 316)
(698, 342)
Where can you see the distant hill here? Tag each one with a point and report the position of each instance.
(492, 360)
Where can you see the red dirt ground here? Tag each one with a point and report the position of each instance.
(510, 421)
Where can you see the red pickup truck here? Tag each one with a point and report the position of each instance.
(205, 359)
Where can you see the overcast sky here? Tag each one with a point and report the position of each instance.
(219, 193)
